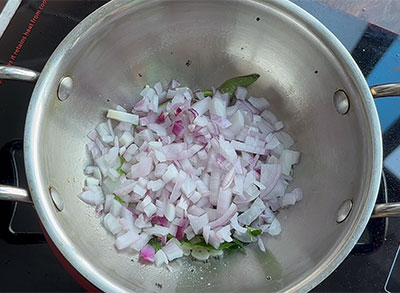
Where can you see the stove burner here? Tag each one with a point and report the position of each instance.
(9, 175)
(392, 284)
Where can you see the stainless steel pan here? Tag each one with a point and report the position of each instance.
(127, 44)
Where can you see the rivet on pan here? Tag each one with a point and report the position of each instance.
(65, 88)
(341, 102)
(344, 210)
(57, 200)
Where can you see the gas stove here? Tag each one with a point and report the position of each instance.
(26, 260)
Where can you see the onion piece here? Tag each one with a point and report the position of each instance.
(116, 208)
(224, 200)
(285, 139)
(237, 121)
(217, 107)
(222, 123)
(196, 211)
(260, 243)
(126, 240)
(291, 198)
(177, 187)
(241, 93)
(141, 242)
(197, 223)
(170, 211)
(275, 228)
(93, 195)
(225, 218)
(259, 103)
(157, 230)
(148, 253)
(228, 179)
(142, 168)
(215, 181)
(188, 186)
(158, 129)
(178, 128)
(252, 213)
(195, 197)
(160, 258)
(224, 233)
(270, 174)
(235, 225)
(214, 240)
(201, 121)
(201, 106)
(111, 224)
(287, 159)
(172, 251)
(124, 117)
(279, 125)
(155, 185)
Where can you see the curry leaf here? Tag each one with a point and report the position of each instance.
(117, 198)
(121, 172)
(155, 244)
(232, 84)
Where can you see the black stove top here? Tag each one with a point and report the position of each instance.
(26, 261)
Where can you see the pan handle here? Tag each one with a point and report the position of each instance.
(18, 73)
(7, 160)
(13, 193)
(385, 90)
(379, 91)
(384, 210)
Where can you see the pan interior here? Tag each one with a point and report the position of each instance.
(143, 42)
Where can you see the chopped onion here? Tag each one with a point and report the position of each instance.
(225, 218)
(220, 121)
(190, 168)
(224, 200)
(217, 107)
(237, 121)
(178, 128)
(93, 195)
(260, 103)
(126, 240)
(160, 258)
(172, 251)
(124, 117)
(291, 198)
(112, 224)
(157, 230)
(225, 233)
(241, 93)
(141, 242)
(198, 223)
(148, 253)
(252, 213)
(287, 159)
(260, 243)
(235, 225)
